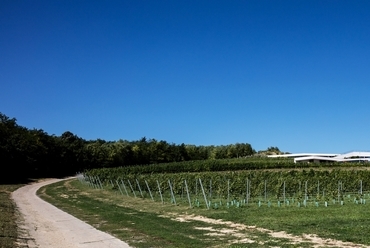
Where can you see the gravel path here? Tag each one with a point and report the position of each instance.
(46, 226)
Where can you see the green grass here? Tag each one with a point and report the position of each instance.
(144, 223)
(140, 228)
(347, 223)
(8, 218)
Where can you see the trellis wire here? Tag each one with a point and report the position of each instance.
(340, 195)
(187, 192)
(160, 192)
(204, 194)
(228, 190)
(172, 194)
(138, 185)
(101, 185)
(124, 187)
(119, 187)
(150, 192)
(132, 189)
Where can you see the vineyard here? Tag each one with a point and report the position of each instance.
(238, 188)
(211, 165)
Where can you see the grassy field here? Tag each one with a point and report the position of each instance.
(144, 223)
(8, 226)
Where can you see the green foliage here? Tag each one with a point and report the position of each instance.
(315, 183)
(8, 224)
(33, 153)
(250, 163)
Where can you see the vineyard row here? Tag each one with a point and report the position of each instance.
(243, 186)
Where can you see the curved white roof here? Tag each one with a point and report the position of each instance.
(346, 157)
(296, 155)
(335, 157)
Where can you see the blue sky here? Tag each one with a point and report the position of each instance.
(291, 74)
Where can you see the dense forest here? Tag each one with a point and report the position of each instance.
(32, 153)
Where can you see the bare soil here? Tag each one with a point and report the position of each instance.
(238, 232)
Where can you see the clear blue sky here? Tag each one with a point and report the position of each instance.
(292, 74)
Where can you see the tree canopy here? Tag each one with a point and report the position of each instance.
(31, 153)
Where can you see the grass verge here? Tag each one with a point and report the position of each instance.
(8, 218)
(144, 223)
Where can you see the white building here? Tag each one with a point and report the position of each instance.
(326, 157)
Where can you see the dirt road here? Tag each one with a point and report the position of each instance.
(46, 226)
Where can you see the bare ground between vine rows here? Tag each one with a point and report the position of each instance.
(249, 234)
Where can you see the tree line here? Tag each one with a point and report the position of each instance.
(32, 153)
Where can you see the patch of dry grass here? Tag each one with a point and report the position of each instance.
(8, 217)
